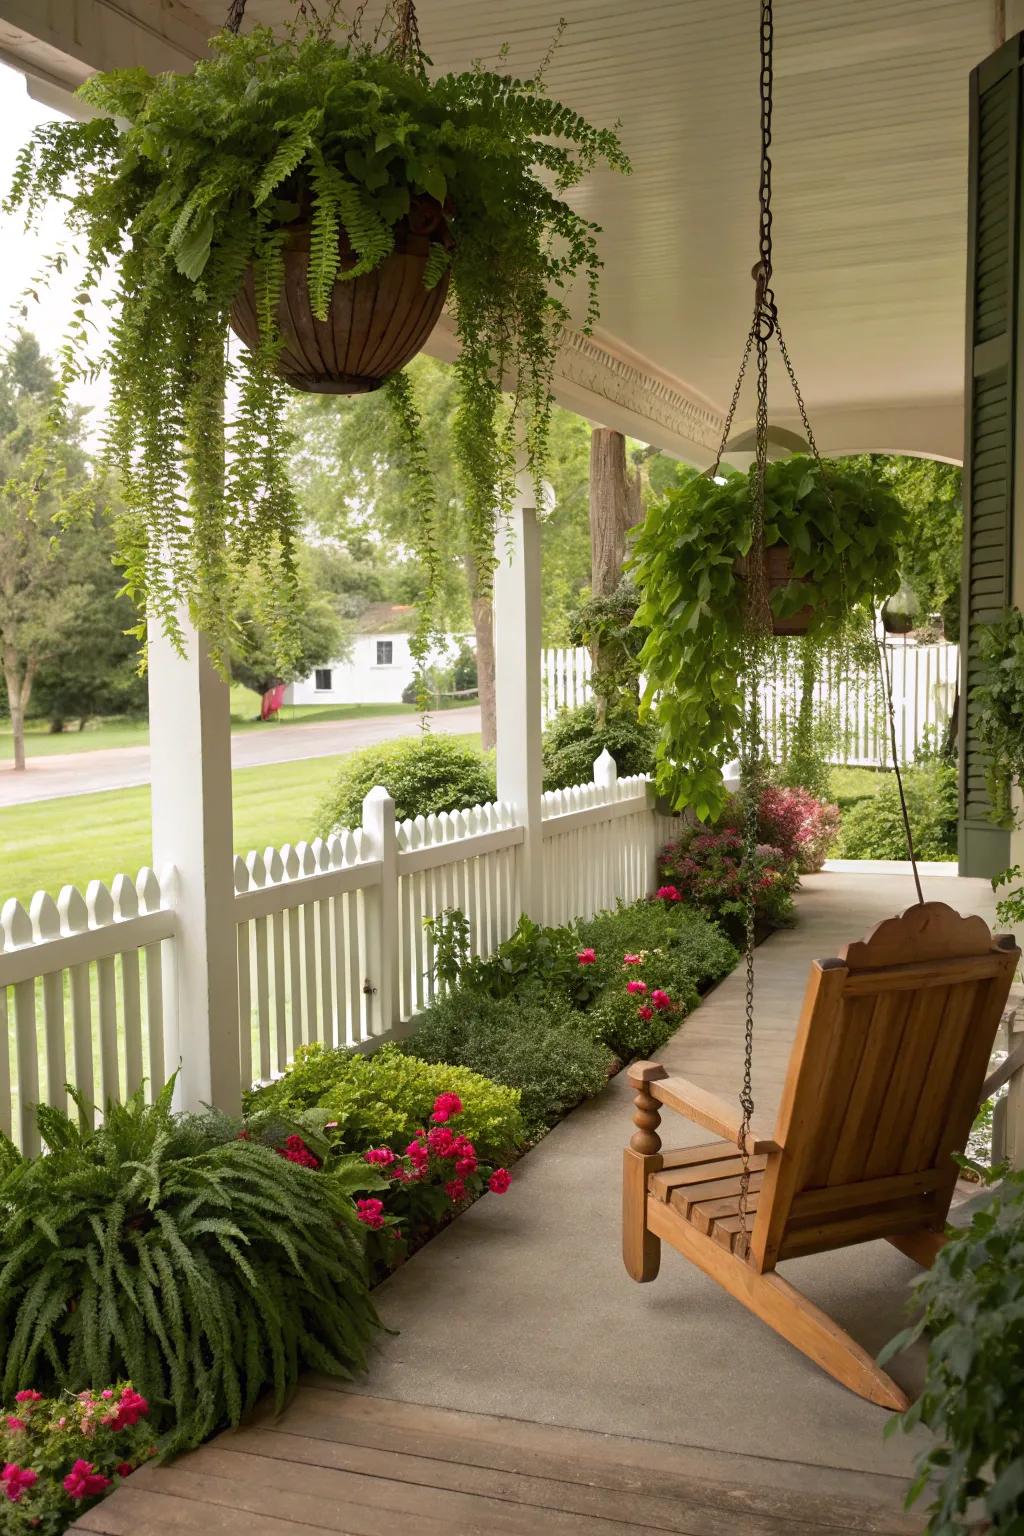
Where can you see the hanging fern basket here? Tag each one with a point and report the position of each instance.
(778, 573)
(376, 321)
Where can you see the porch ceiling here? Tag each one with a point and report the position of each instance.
(870, 154)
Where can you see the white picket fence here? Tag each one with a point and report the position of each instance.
(924, 679)
(331, 942)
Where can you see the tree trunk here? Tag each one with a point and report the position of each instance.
(19, 691)
(483, 629)
(614, 507)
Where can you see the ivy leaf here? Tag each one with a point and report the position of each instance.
(432, 179)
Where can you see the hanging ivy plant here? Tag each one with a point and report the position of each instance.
(841, 526)
(187, 187)
(997, 709)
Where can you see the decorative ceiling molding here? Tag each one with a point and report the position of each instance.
(607, 374)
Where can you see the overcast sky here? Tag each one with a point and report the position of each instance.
(22, 255)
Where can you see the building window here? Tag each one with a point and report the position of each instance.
(385, 653)
(323, 679)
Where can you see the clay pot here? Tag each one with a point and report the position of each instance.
(376, 322)
(778, 572)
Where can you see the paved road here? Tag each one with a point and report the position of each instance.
(83, 773)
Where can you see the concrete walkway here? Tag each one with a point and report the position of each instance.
(522, 1308)
(84, 773)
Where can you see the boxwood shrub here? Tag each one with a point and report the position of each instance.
(423, 774)
(873, 828)
(546, 1050)
(381, 1100)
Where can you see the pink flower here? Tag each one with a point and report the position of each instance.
(83, 1481)
(107, 1392)
(441, 1141)
(465, 1167)
(382, 1155)
(16, 1479)
(417, 1154)
(660, 999)
(28, 1396)
(14, 1424)
(587, 957)
(499, 1181)
(296, 1151)
(636, 986)
(668, 893)
(644, 1012)
(631, 959)
(124, 1469)
(455, 1189)
(129, 1410)
(446, 1105)
(371, 1213)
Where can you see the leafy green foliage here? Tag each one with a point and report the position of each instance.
(873, 827)
(384, 1098)
(320, 637)
(998, 706)
(535, 962)
(607, 626)
(705, 869)
(205, 1268)
(186, 181)
(423, 774)
(972, 1306)
(544, 1049)
(1010, 907)
(842, 529)
(931, 545)
(690, 943)
(574, 739)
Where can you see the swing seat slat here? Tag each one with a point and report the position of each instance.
(883, 1084)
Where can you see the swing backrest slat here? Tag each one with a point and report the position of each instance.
(883, 1084)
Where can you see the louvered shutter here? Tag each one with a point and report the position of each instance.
(993, 406)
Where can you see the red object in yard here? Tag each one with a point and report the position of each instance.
(271, 701)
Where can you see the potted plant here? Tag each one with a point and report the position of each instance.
(830, 542)
(256, 194)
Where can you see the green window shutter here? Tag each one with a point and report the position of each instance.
(992, 448)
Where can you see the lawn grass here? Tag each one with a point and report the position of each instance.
(849, 785)
(129, 731)
(50, 843)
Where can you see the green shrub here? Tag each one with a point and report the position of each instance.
(167, 1251)
(691, 942)
(383, 1099)
(573, 741)
(423, 774)
(873, 828)
(545, 1051)
(533, 961)
(972, 1302)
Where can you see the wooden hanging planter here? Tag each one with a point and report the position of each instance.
(778, 573)
(376, 323)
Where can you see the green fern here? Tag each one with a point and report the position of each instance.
(204, 1266)
(204, 182)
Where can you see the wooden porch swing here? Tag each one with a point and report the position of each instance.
(890, 1057)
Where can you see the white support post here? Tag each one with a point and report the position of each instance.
(380, 988)
(518, 687)
(190, 753)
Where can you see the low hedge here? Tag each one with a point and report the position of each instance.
(424, 775)
(546, 1052)
(873, 828)
(383, 1099)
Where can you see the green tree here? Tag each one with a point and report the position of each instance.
(351, 474)
(319, 634)
(42, 595)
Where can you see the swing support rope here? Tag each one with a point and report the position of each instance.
(757, 615)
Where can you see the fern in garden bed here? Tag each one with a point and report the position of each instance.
(168, 1250)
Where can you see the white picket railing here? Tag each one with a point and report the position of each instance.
(331, 943)
(82, 996)
(924, 679)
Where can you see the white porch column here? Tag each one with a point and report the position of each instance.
(190, 751)
(517, 686)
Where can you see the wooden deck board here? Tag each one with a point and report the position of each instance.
(363, 1466)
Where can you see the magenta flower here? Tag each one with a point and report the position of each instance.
(441, 1141)
(379, 1155)
(17, 1479)
(371, 1213)
(660, 999)
(83, 1481)
(636, 986)
(28, 1396)
(668, 893)
(631, 959)
(499, 1181)
(446, 1105)
(587, 957)
(455, 1189)
(644, 1012)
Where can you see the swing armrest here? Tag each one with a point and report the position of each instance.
(700, 1106)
